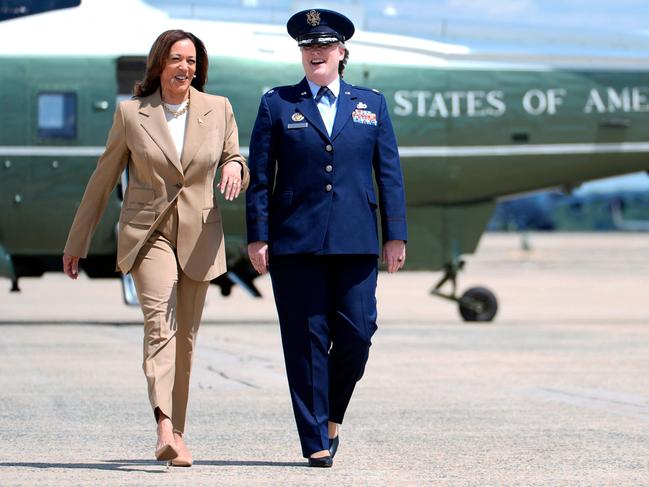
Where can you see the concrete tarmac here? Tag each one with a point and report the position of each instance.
(554, 392)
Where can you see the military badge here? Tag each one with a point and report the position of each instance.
(361, 105)
(297, 117)
(364, 117)
(313, 18)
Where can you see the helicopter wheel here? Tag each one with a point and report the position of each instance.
(478, 304)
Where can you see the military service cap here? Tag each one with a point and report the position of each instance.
(319, 26)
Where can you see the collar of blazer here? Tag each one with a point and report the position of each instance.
(308, 107)
(153, 121)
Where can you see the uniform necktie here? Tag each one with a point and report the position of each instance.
(326, 92)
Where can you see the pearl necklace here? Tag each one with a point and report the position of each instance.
(176, 113)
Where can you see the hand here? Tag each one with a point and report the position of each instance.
(394, 254)
(71, 266)
(230, 184)
(258, 254)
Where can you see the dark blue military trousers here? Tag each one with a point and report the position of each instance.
(327, 313)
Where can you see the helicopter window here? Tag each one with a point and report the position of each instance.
(57, 115)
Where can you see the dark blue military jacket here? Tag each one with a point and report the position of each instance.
(312, 193)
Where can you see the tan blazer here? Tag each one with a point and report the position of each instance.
(140, 138)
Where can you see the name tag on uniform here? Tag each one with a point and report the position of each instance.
(364, 117)
(300, 125)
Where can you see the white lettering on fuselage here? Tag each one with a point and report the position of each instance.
(535, 102)
(425, 103)
(635, 99)
(538, 102)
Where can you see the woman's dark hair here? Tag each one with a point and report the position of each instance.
(343, 63)
(157, 60)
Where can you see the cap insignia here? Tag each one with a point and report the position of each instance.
(297, 117)
(313, 18)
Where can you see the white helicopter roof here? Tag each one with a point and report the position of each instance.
(129, 27)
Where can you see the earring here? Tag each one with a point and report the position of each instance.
(194, 76)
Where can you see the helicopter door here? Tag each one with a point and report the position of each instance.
(129, 70)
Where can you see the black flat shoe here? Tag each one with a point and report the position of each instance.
(333, 446)
(322, 462)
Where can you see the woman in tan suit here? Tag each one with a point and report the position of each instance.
(173, 138)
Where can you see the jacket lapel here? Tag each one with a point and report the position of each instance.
(306, 105)
(196, 128)
(344, 109)
(153, 121)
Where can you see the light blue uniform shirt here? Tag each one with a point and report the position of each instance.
(327, 108)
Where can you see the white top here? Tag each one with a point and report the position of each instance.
(327, 109)
(177, 125)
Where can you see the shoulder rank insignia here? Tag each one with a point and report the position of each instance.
(297, 117)
(375, 90)
(361, 105)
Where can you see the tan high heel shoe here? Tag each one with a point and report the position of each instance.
(168, 450)
(184, 458)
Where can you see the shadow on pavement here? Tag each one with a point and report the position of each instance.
(111, 465)
(206, 321)
(224, 463)
(130, 465)
(249, 463)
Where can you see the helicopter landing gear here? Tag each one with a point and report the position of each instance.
(7, 269)
(476, 304)
(241, 273)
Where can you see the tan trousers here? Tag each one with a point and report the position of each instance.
(172, 305)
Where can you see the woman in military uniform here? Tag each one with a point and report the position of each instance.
(316, 148)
